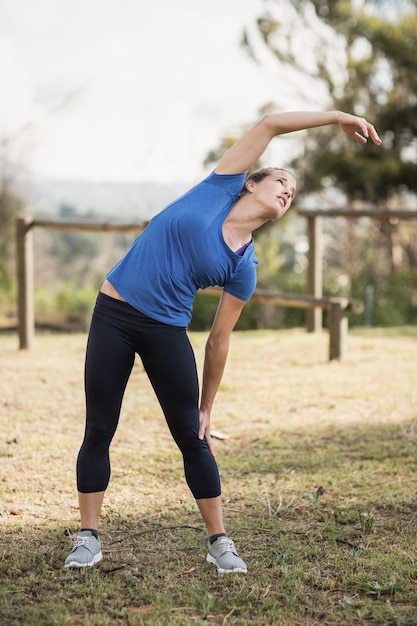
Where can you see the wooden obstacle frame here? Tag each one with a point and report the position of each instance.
(313, 301)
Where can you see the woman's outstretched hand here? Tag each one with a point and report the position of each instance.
(359, 128)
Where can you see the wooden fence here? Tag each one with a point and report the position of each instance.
(338, 311)
(314, 219)
(338, 308)
(25, 265)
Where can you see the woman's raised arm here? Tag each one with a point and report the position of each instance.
(247, 150)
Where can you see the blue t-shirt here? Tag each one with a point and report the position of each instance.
(182, 250)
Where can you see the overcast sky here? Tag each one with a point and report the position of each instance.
(128, 90)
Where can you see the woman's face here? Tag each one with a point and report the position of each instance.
(275, 193)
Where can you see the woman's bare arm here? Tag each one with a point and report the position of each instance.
(217, 348)
(247, 150)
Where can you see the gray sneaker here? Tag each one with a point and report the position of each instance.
(86, 551)
(222, 553)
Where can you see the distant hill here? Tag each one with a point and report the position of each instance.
(114, 201)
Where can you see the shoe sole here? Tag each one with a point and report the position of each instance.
(96, 559)
(221, 571)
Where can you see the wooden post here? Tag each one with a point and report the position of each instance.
(338, 330)
(24, 263)
(315, 271)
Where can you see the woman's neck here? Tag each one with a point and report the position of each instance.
(240, 223)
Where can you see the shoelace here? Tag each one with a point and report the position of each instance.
(81, 541)
(226, 544)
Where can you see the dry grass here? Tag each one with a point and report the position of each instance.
(319, 482)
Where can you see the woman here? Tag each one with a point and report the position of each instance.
(144, 306)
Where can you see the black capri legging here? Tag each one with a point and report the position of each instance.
(117, 332)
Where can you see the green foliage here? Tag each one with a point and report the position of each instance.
(381, 84)
(70, 266)
(378, 255)
(204, 310)
(395, 297)
(67, 303)
(10, 206)
(292, 282)
(75, 300)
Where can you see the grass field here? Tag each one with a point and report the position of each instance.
(319, 485)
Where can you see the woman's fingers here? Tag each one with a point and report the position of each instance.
(360, 129)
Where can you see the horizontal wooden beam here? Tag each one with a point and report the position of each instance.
(338, 309)
(296, 300)
(90, 226)
(378, 214)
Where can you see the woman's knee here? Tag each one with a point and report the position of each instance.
(98, 434)
(186, 437)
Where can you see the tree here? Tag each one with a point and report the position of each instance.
(376, 51)
(10, 207)
(380, 82)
